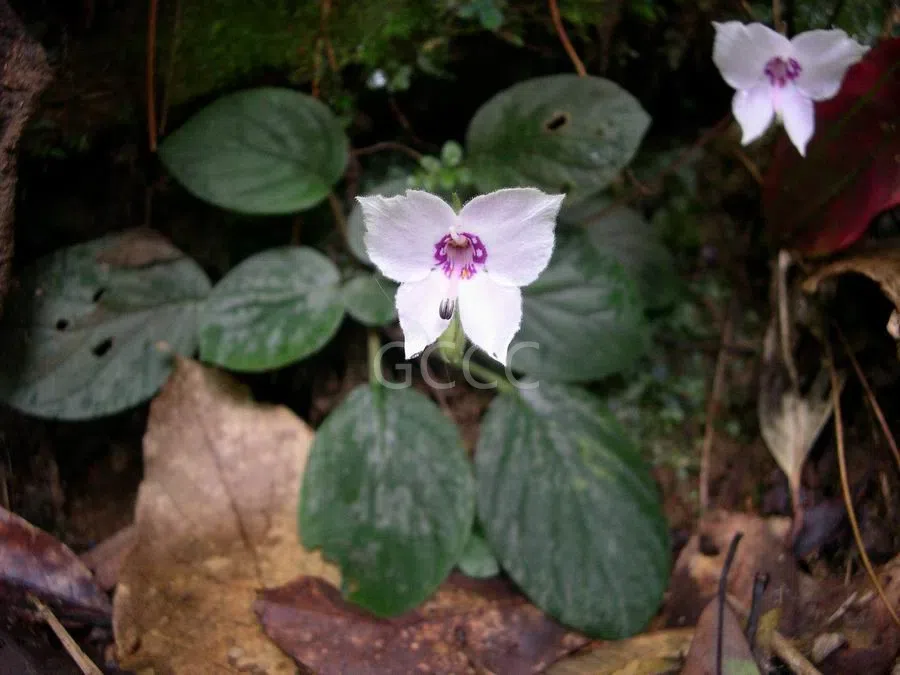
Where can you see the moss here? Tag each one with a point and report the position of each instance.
(225, 41)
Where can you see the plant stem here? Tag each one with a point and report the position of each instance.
(488, 375)
(567, 45)
(337, 212)
(373, 344)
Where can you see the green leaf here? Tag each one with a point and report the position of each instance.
(370, 299)
(571, 511)
(582, 319)
(90, 329)
(275, 308)
(477, 560)
(356, 228)
(561, 133)
(388, 495)
(263, 151)
(624, 235)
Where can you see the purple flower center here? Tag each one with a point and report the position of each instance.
(780, 72)
(458, 255)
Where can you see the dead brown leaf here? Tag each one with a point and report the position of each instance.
(736, 656)
(881, 266)
(215, 522)
(659, 653)
(468, 627)
(106, 558)
(32, 561)
(763, 549)
(139, 247)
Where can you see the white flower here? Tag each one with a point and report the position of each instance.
(777, 76)
(475, 260)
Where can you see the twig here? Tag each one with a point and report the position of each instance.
(785, 334)
(387, 145)
(723, 592)
(78, 656)
(170, 68)
(835, 13)
(791, 656)
(749, 164)
(870, 395)
(655, 185)
(845, 482)
(777, 19)
(564, 38)
(713, 406)
(891, 18)
(151, 74)
(781, 646)
(340, 220)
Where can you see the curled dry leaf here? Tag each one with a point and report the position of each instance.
(468, 627)
(882, 266)
(215, 521)
(795, 400)
(763, 549)
(32, 561)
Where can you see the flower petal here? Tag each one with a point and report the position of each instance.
(798, 115)
(824, 57)
(401, 232)
(418, 307)
(741, 52)
(516, 226)
(490, 314)
(753, 110)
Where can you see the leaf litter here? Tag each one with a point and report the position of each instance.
(215, 522)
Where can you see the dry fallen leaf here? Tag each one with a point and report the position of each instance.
(736, 656)
(468, 627)
(659, 653)
(881, 266)
(763, 549)
(215, 522)
(32, 561)
(139, 247)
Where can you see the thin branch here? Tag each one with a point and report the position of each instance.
(845, 482)
(835, 13)
(749, 164)
(564, 38)
(151, 74)
(387, 145)
(871, 396)
(170, 68)
(656, 183)
(777, 19)
(81, 659)
(337, 212)
(713, 406)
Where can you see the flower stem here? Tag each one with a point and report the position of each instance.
(488, 375)
(373, 343)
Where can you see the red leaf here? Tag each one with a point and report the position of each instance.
(825, 202)
(469, 626)
(31, 561)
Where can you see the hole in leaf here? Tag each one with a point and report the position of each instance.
(707, 546)
(62, 324)
(102, 348)
(557, 121)
(98, 294)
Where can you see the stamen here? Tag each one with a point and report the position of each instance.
(446, 308)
